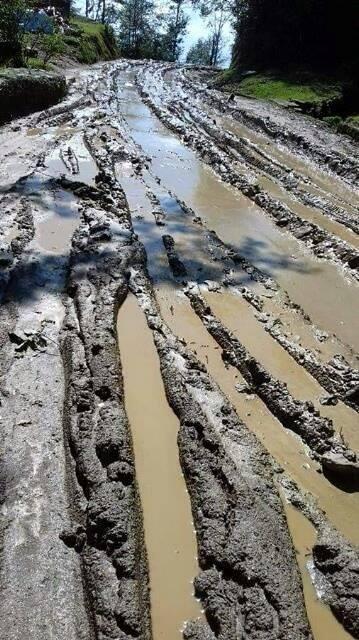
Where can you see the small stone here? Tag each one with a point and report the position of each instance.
(329, 401)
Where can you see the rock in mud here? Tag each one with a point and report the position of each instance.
(177, 266)
(338, 465)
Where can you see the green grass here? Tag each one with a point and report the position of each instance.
(87, 26)
(354, 120)
(36, 63)
(90, 42)
(303, 88)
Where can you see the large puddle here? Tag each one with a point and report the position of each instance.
(169, 534)
(242, 224)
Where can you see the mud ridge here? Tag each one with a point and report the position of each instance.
(336, 562)
(322, 243)
(110, 535)
(337, 162)
(177, 267)
(228, 475)
(281, 174)
(301, 417)
(336, 376)
(333, 562)
(10, 253)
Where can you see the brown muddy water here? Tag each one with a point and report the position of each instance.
(242, 224)
(341, 508)
(238, 315)
(169, 533)
(316, 181)
(324, 625)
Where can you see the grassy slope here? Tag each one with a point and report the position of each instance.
(297, 88)
(273, 87)
(90, 43)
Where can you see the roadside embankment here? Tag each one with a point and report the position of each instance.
(23, 91)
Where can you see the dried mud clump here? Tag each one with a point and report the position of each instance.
(177, 266)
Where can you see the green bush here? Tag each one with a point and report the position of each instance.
(333, 121)
(11, 33)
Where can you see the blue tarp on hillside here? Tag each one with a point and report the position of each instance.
(35, 22)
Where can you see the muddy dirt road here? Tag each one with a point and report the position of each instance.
(179, 367)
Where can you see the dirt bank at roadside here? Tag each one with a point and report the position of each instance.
(23, 91)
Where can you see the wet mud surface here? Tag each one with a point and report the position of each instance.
(179, 370)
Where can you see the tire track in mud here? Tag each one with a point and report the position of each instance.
(302, 418)
(169, 535)
(310, 179)
(220, 476)
(249, 581)
(244, 151)
(41, 589)
(175, 263)
(345, 165)
(109, 535)
(322, 243)
(337, 377)
(153, 323)
(171, 306)
(173, 310)
(173, 257)
(256, 597)
(140, 223)
(285, 280)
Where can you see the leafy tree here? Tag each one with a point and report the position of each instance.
(11, 31)
(138, 28)
(176, 27)
(217, 13)
(301, 34)
(200, 52)
(11, 15)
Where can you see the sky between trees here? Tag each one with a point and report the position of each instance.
(196, 29)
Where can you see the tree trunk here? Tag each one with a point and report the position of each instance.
(174, 47)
